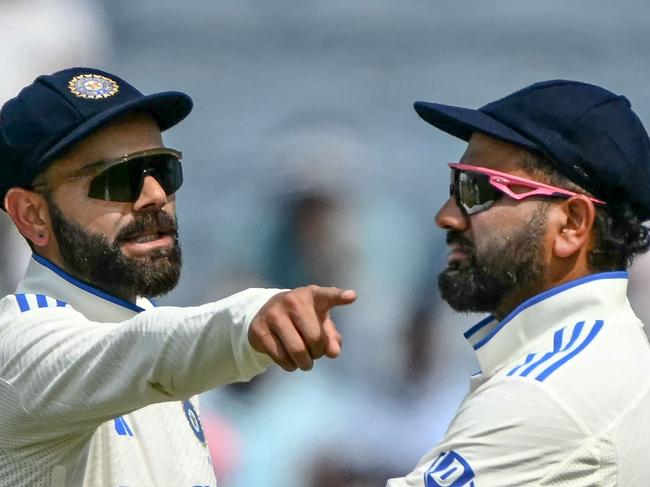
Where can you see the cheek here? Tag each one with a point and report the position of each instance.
(103, 223)
(486, 227)
(93, 216)
(70, 197)
(170, 206)
(490, 229)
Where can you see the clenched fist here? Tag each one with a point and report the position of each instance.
(294, 328)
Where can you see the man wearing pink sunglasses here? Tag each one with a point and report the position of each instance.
(544, 216)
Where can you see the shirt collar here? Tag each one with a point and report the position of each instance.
(45, 277)
(495, 342)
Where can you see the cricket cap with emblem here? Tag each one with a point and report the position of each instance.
(591, 135)
(57, 111)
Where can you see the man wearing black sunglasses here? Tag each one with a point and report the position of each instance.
(544, 216)
(97, 384)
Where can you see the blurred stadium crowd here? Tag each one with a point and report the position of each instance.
(305, 163)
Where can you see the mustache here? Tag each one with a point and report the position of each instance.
(455, 237)
(149, 222)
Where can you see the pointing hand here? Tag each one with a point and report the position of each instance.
(294, 328)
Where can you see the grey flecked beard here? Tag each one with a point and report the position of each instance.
(510, 268)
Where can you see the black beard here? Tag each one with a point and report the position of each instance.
(509, 269)
(93, 259)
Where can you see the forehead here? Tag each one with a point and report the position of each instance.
(483, 150)
(133, 133)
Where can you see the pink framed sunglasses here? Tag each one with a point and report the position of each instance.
(476, 188)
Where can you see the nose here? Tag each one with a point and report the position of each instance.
(152, 195)
(451, 217)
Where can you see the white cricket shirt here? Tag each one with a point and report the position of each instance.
(562, 398)
(98, 392)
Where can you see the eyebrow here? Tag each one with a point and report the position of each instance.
(105, 163)
(98, 166)
(113, 161)
(89, 168)
(43, 180)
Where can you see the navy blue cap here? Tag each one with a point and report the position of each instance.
(591, 134)
(57, 111)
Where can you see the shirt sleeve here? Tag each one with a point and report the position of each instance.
(510, 433)
(60, 369)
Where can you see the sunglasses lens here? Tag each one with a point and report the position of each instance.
(123, 182)
(474, 192)
(117, 183)
(168, 171)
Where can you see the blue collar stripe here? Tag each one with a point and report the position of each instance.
(86, 287)
(478, 326)
(547, 294)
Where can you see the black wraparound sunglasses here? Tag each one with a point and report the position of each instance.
(121, 179)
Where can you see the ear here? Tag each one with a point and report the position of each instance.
(576, 224)
(28, 210)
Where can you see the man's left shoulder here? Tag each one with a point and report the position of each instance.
(594, 367)
(588, 349)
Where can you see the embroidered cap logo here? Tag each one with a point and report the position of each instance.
(93, 86)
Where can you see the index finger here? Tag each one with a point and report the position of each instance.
(328, 297)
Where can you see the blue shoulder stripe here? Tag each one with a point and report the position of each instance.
(529, 359)
(552, 368)
(557, 347)
(27, 302)
(122, 427)
(22, 302)
(41, 300)
(560, 353)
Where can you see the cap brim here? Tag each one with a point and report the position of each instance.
(168, 108)
(463, 122)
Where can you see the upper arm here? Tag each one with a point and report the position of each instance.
(65, 368)
(72, 373)
(509, 433)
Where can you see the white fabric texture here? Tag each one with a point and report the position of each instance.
(562, 398)
(96, 392)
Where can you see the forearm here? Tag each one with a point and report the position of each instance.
(72, 371)
(211, 349)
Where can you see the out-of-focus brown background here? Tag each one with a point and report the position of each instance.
(306, 163)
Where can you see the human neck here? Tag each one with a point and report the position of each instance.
(553, 279)
(509, 303)
(58, 261)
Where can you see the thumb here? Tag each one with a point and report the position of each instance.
(334, 340)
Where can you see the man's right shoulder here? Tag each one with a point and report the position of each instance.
(17, 305)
